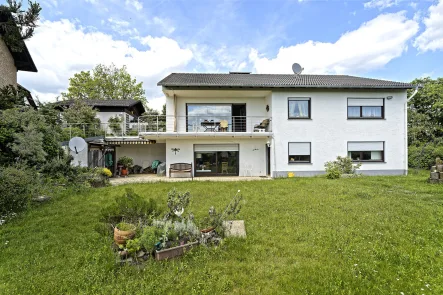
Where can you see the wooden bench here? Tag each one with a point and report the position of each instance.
(180, 168)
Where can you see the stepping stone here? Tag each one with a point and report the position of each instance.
(235, 228)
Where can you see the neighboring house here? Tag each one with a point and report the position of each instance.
(11, 62)
(258, 125)
(129, 112)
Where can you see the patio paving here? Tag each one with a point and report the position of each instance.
(151, 178)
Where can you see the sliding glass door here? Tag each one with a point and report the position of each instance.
(215, 117)
(216, 160)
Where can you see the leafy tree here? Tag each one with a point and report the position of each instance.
(26, 136)
(81, 120)
(104, 83)
(11, 96)
(17, 24)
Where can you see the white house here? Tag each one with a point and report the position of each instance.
(257, 124)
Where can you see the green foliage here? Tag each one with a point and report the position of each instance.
(149, 237)
(28, 136)
(11, 97)
(17, 186)
(130, 207)
(104, 83)
(342, 165)
(126, 161)
(216, 218)
(177, 202)
(17, 24)
(133, 246)
(124, 226)
(81, 121)
(423, 156)
(115, 123)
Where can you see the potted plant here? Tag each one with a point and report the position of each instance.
(126, 163)
(439, 164)
(123, 232)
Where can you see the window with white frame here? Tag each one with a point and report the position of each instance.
(299, 108)
(366, 151)
(299, 152)
(366, 108)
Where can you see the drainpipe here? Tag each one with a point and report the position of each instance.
(175, 113)
(406, 125)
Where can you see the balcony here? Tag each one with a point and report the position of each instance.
(170, 126)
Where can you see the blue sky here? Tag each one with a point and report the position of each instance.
(389, 39)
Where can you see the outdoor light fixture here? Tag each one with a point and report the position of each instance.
(268, 143)
(389, 97)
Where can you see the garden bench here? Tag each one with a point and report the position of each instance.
(181, 168)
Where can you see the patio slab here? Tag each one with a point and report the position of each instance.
(151, 178)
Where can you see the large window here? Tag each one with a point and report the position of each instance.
(216, 160)
(366, 108)
(299, 152)
(299, 108)
(216, 117)
(366, 151)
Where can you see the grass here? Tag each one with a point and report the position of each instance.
(369, 235)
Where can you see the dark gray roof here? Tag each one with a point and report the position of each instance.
(103, 103)
(239, 80)
(106, 104)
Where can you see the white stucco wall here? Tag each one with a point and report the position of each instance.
(329, 130)
(142, 152)
(251, 152)
(8, 71)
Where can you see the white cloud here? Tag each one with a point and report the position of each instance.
(121, 27)
(380, 4)
(413, 5)
(432, 37)
(62, 48)
(371, 46)
(134, 4)
(164, 24)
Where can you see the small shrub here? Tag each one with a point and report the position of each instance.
(130, 207)
(106, 172)
(127, 162)
(149, 237)
(342, 165)
(124, 226)
(17, 187)
(115, 124)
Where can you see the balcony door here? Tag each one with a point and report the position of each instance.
(216, 159)
(215, 117)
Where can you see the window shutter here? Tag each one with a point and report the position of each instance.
(365, 146)
(365, 102)
(300, 148)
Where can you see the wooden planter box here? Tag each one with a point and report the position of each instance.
(174, 252)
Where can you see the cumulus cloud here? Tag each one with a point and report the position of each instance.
(62, 48)
(371, 46)
(380, 4)
(432, 36)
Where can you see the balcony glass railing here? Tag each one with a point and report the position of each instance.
(179, 124)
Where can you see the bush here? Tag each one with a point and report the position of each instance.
(17, 186)
(342, 165)
(130, 207)
(423, 156)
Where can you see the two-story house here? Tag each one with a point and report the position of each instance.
(258, 124)
(242, 124)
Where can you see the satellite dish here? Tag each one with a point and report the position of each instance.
(297, 69)
(77, 144)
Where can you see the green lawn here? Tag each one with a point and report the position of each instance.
(370, 235)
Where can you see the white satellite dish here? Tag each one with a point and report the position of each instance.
(77, 144)
(297, 69)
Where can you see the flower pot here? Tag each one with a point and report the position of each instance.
(440, 168)
(124, 171)
(121, 236)
(174, 251)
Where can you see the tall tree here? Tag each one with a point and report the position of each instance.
(105, 83)
(17, 24)
(425, 116)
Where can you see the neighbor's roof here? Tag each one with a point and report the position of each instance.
(22, 60)
(245, 80)
(113, 103)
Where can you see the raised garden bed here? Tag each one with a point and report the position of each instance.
(174, 251)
